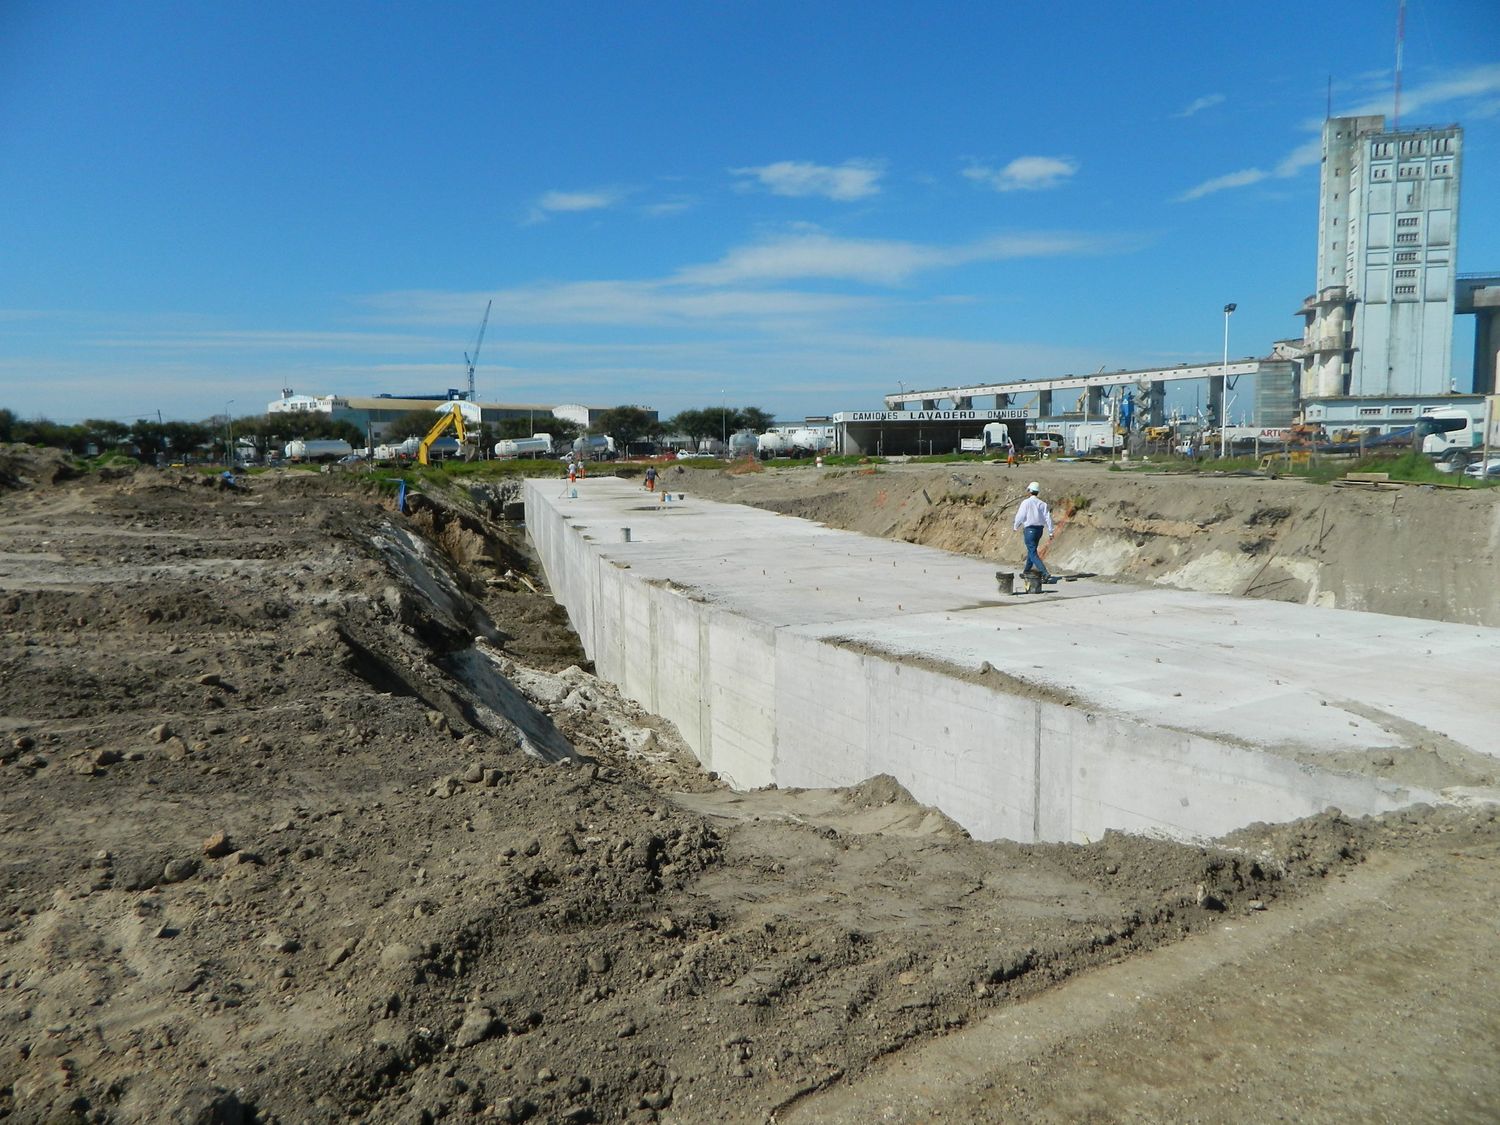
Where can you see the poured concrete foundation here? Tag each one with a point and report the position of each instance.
(791, 653)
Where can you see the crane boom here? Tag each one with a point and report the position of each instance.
(474, 361)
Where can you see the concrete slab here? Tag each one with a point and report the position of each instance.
(793, 653)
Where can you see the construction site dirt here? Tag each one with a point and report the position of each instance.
(313, 811)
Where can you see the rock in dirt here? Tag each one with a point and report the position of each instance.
(178, 870)
(217, 845)
(478, 1025)
(341, 953)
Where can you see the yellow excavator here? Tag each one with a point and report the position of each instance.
(453, 417)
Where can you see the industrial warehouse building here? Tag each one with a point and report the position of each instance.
(1376, 351)
(373, 414)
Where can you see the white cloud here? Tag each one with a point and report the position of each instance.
(1305, 155)
(1479, 82)
(1243, 178)
(1198, 105)
(266, 339)
(672, 205)
(577, 200)
(1478, 85)
(878, 261)
(851, 180)
(641, 303)
(1025, 173)
(570, 202)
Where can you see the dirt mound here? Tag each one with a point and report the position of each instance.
(314, 812)
(30, 466)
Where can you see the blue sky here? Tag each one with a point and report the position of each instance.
(792, 205)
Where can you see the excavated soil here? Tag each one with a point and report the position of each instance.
(312, 811)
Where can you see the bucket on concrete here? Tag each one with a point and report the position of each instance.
(624, 535)
(1006, 579)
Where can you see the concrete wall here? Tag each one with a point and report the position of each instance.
(799, 705)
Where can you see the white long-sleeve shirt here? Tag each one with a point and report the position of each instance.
(1033, 513)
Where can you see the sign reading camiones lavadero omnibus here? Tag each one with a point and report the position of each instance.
(1008, 415)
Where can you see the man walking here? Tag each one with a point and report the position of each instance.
(1032, 518)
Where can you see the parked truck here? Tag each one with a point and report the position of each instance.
(594, 447)
(397, 451)
(1448, 436)
(321, 450)
(537, 445)
(1094, 437)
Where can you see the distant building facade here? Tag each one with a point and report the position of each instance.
(373, 414)
(292, 403)
(1380, 322)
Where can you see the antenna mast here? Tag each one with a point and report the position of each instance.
(1400, 42)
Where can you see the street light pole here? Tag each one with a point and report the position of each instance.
(723, 422)
(228, 435)
(1224, 390)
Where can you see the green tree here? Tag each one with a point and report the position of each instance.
(563, 430)
(7, 425)
(754, 418)
(719, 421)
(105, 433)
(695, 424)
(626, 424)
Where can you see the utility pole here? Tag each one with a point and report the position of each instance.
(1224, 390)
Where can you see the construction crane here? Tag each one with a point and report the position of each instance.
(474, 360)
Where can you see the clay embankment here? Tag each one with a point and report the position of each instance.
(1412, 551)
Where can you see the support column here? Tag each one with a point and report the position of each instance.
(1044, 404)
(1094, 403)
(1215, 409)
(963, 402)
(1486, 352)
(1002, 402)
(929, 404)
(1156, 404)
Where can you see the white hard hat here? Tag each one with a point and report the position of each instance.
(1033, 487)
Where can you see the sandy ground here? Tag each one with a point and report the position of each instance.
(313, 812)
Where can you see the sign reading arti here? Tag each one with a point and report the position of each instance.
(1007, 415)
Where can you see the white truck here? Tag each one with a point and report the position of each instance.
(994, 436)
(743, 443)
(1450, 437)
(537, 445)
(317, 450)
(397, 451)
(594, 447)
(802, 441)
(1094, 437)
(773, 443)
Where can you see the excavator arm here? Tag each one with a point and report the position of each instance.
(454, 417)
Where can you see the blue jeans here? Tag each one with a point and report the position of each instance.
(1033, 536)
